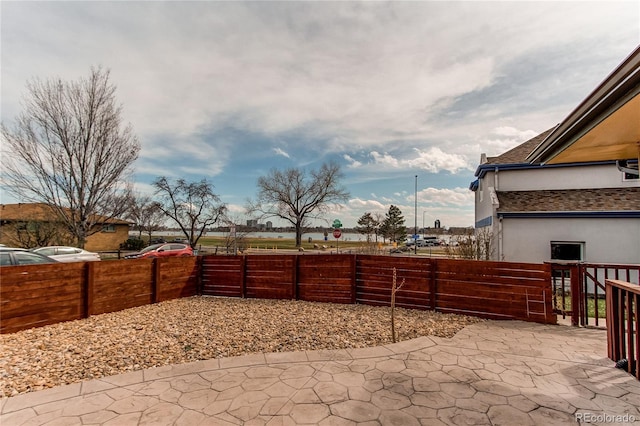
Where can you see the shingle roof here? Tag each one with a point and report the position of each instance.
(518, 155)
(571, 200)
(39, 212)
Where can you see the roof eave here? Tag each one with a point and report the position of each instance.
(623, 82)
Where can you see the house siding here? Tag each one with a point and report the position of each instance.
(574, 177)
(533, 188)
(10, 214)
(106, 241)
(606, 240)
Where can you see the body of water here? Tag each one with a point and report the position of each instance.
(315, 236)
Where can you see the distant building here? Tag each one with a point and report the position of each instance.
(269, 224)
(252, 223)
(36, 224)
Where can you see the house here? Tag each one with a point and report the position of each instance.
(35, 224)
(572, 192)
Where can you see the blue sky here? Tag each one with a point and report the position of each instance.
(228, 90)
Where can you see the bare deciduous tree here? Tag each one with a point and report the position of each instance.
(146, 215)
(297, 196)
(394, 289)
(477, 245)
(191, 205)
(33, 234)
(235, 240)
(70, 149)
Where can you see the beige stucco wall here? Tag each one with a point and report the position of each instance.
(100, 241)
(106, 241)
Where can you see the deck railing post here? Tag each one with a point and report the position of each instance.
(576, 295)
(623, 320)
(611, 297)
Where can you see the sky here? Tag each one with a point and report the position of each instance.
(228, 91)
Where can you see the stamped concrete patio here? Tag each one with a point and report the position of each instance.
(493, 373)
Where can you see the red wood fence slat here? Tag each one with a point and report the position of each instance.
(38, 295)
(325, 278)
(270, 277)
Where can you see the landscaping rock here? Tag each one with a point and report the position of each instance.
(199, 328)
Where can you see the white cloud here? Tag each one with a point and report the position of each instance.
(433, 160)
(366, 205)
(348, 73)
(445, 197)
(352, 163)
(502, 139)
(384, 86)
(385, 159)
(279, 151)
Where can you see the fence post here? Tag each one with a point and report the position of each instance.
(200, 274)
(576, 295)
(548, 295)
(88, 289)
(354, 265)
(433, 285)
(155, 280)
(294, 280)
(243, 276)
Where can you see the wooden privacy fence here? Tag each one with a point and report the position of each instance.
(37, 295)
(32, 296)
(496, 290)
(623, 320)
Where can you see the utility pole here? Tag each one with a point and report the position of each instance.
(415, 217)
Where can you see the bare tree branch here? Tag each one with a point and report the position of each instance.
(70, 149)
(191, 205)
(146, 215)
(297, 197)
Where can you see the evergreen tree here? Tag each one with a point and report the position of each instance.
(367, 225)
(393, 225)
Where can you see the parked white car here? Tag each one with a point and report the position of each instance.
(68, 254)
(20, 256)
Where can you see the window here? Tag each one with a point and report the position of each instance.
(566, 250)
(26, 258)
(5, 259)
(67, 250)
(629, 176)
(108, 228)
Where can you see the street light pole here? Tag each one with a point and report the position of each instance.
(415, 234)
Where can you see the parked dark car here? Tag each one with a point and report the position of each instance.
(180, 240)
(162, 250)
(19, 256)
(157, 241)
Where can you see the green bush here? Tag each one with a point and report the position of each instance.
(133, 244)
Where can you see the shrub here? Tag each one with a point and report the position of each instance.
(133, 244)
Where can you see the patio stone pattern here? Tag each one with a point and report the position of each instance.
(499, 373)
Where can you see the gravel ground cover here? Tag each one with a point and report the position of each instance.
(198, 328)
